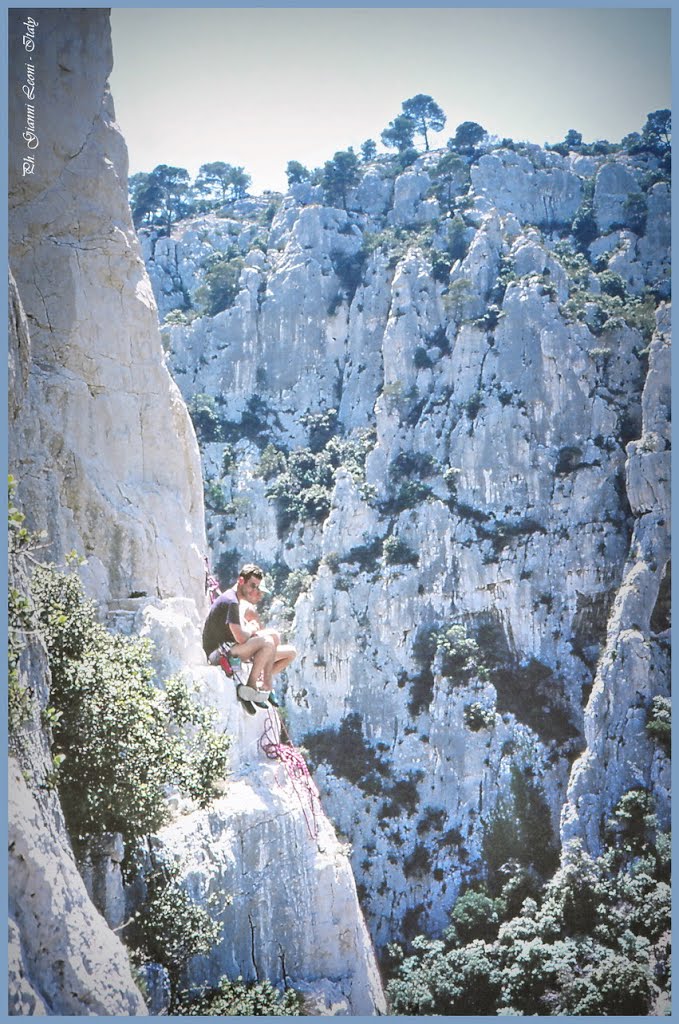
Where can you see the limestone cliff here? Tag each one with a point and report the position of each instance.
(423, 418)
(107, 464)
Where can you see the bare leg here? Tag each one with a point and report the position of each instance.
(262, 665)
(285, 655)
(259, 651)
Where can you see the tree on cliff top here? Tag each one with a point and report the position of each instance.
(160, 197)
(339, 175)
(425, 114)
(399, 133)
(222, 181)
(466, 137)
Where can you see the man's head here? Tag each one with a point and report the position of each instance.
(249, 586)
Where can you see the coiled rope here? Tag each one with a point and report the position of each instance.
(276, 744)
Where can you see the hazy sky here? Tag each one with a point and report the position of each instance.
(259, 87)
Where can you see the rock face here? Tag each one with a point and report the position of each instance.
(89, 443)
(107, 463)
(483, 380)
(635, 666)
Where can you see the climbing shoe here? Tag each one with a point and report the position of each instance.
(243, 694)
(249, 706)
(273, 699)
(248, 693)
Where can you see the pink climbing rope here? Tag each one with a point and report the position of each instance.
(270, 740)
(277, 746)
(212, 587)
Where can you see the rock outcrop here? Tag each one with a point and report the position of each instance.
(486, 375)
(89, 443)
(634, 667)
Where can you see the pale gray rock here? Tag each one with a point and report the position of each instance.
(374, 194)
(512, 183)
(90, 444)
(620, 755)
(64, 958)
(410, 189)
(614, 184)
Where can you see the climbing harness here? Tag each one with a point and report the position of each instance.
(275, 741)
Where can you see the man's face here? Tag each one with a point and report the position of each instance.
(249, 589)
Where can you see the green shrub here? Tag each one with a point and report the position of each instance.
(584, 226)
(476, 915)
(170, 928)
(214, 496)
(20, 617)
(301, 481)
(594, 944)
(243, 999)
(203, 411)
(459, 654)
(397, 552)
(478, 716)
(123, 740)
(221, 282)
(659, 722)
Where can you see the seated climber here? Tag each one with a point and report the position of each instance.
(247, 638)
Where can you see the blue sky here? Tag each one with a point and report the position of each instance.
(259, 87)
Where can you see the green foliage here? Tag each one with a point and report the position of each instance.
(659, 722)
(205, 418)
(459, 654)
(397, 552)
(296, 172)
(635, 209)
(593, 944)
(467, 137)
(584, 226)
(170, 928)
(519, 830)
(243, 999)
(406, 474)
(214, 497)
(451, 179)
(272, 462)
(605, 312)
(612, 284)
(368, 150)
(20, 618)
(221, 181)
(349, 268)
(477, 716)
(301, 481)
(123, 739)
(339, 175)
(476, 915)
(425, 114)
(180, 317)
(656, 137)
(160, 197)
(221, 282)
(399, 135)
(297, 582)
